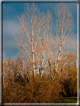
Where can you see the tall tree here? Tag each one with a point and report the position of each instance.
(30, 28)
(44, 45)
(64, 39)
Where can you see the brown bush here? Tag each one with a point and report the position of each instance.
(69, 82)
(37, 91)
(20, 86)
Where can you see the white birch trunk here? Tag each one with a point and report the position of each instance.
(59, 51)
(33, 60)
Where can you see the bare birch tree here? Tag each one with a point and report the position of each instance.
(45, 42)
(30, 28)
(64, 39)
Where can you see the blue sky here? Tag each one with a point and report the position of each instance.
(11, 11)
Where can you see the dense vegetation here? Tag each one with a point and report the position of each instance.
(24, 88)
